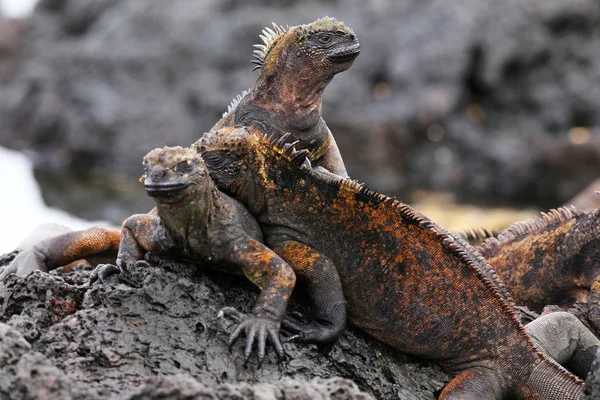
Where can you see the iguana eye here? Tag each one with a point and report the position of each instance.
(217, 161)
(324, 38)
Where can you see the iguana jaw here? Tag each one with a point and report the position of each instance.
(165, 191)
(345, 56)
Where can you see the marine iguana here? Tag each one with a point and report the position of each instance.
(552, 259)
(296, 64)
(407, 281)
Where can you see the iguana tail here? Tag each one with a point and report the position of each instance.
(549, 380)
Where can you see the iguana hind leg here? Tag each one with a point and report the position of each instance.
(95, 244)
(474, 384)
(318, 273)
(564, 338)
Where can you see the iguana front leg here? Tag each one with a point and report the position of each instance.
(276, 279)
(140, 234)
(332, 159)
(324, 288)
(100, 244)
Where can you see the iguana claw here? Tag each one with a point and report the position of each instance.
(257, 329)
(103, 271)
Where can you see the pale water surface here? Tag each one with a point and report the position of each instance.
(17, 8)
(22, 208)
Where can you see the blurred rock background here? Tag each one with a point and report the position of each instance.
(492, 102)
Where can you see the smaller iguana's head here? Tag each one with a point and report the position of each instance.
(326, 46)
(172, 174)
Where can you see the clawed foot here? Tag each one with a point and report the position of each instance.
(257, 329)
(320, 331)
(103, 272)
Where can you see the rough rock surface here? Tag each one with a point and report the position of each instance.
(474, 96)
(592, 382)
(119, 338)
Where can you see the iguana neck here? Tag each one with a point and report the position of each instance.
(194, 217)
(291, 92)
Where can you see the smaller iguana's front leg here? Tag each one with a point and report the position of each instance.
(140, 234)
(318, 273)
(276, 279)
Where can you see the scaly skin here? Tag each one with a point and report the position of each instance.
(553, 259)
(296, 65)
(407, 282)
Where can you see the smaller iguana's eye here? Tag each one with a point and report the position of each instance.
(324, 38)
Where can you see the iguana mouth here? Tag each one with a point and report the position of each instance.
(346, 55)
(166, 190)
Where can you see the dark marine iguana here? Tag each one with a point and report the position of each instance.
(552, 259)
(296, 65)
(407, 281)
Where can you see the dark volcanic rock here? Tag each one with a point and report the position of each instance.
(475, 96)
(183, 387)
(592, 382)
(110, 337)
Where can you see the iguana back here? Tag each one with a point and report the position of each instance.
(407, 281)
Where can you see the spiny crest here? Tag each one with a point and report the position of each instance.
(523, 228)
(172, 156)
(269, 37)
(477, 235)
(233, 140)
(235, 102)
(325, 24)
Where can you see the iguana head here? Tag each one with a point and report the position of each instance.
(244, 162)
(173, 174)
(327, 46)
(296, 64)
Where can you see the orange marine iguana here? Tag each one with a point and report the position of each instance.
(550, 260)
(407, 281)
